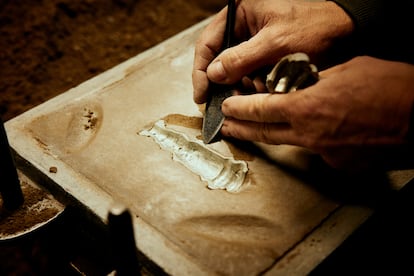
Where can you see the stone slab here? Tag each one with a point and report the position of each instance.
(91, 135)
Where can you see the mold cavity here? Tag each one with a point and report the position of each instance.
(218, 171)
(82, 127)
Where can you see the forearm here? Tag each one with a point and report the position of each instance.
(380, 27)
(366, 14)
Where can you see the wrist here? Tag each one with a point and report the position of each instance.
(342, 22)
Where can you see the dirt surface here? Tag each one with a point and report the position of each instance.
(37, 209)
(47, 47)
(50, 46)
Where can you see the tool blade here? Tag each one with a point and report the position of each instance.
(214, 118)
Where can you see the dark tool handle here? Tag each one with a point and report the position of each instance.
(229, 39)
(10, 189)
(213, 118)
(123, 246)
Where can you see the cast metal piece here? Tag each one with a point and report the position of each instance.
(291, 73)
(218, 171)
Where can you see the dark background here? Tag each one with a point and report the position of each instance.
(50, 46)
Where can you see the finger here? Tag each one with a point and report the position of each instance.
(206, 49)
(238, 61)
(200, 85)
(262, 107)
(270, 133)
(252, 85)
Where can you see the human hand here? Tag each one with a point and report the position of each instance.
(267, 31)
(354, 115)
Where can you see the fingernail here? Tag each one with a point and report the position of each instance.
(215, 71)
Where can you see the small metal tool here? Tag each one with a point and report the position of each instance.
(13, 198)
(122, 239)
(291, 73)
(10, 189)
(214, 118)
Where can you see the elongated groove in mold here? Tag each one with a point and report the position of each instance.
(218, 171)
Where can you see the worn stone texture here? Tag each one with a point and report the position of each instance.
(92, 132)
(51, 46)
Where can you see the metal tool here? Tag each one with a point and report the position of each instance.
(10, 189)
(214, 118)
(122, 241)
(291, 73)
(12, 195)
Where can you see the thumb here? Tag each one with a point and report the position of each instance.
(236, 62)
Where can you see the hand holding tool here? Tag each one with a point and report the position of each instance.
(214, 118)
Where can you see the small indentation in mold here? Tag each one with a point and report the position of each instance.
(218, 171)
(83, 127)
(69, 129)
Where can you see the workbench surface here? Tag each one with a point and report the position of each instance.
(284, 220)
